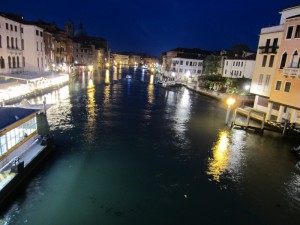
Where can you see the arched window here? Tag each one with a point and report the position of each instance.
(7, 40)
(16, 43)
(283, 60)
(9, 62)
(14, 62)
(23, 61)
(12, 42)
(2, 63)
(295, 59)
(18, 62)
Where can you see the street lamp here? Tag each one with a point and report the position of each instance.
(247, 87)
(230, 102)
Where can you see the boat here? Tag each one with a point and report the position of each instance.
(128, 76)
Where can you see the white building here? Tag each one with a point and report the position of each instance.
(34, 49)
(21, 45)
(11, 53)
(241, 67)
(186, 68)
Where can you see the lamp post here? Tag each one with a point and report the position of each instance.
(230, 102)
(247, 87)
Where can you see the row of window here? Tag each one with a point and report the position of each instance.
(187, 63)
(271, 61)
(16, 135)
(13, 62)
(186, 70)
(287, 86)
(234, 73)
(39, 33)
(12, 27)
(260, 80)
(238, 63)
(12, 42)
(275, 42)
(85, 50)
(289, 34)
(294, 63)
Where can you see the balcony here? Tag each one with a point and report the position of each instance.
(267, 49)
(291, 72)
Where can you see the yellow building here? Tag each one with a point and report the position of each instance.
(276, 92)
(286, 86)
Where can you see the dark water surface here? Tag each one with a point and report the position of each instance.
(131, 152)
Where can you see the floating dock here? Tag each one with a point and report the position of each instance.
(256, 120)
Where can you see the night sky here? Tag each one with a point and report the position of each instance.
(157, 26)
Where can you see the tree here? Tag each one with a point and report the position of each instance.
(240, 48)
(212, 64)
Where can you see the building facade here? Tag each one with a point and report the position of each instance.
(186, 69)
(21, 45)
(285, 90)
(120, 59)
(34, 49)
(239, 67)
(11, 45)
(275, 82)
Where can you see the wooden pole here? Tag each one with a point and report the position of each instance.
(263, 123)
(248, 119)
(284, 128)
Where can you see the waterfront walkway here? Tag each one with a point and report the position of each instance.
(15, 87)
(240, 99)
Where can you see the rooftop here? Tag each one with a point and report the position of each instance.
(10, 115)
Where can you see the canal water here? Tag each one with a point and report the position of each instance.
(129, 151)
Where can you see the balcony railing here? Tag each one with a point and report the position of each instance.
(268, 49)
(291, 72)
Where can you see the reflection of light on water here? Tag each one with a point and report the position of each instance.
(292, 189)
(91, 117)
(107, 81)
(115, 76)
(143, 75)
(219, 162)
(182, 114)
(106, 94)
(227, 156)
(150, 93)
(91, 83)
(178, 110)
(152, 79)
(83, 79)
